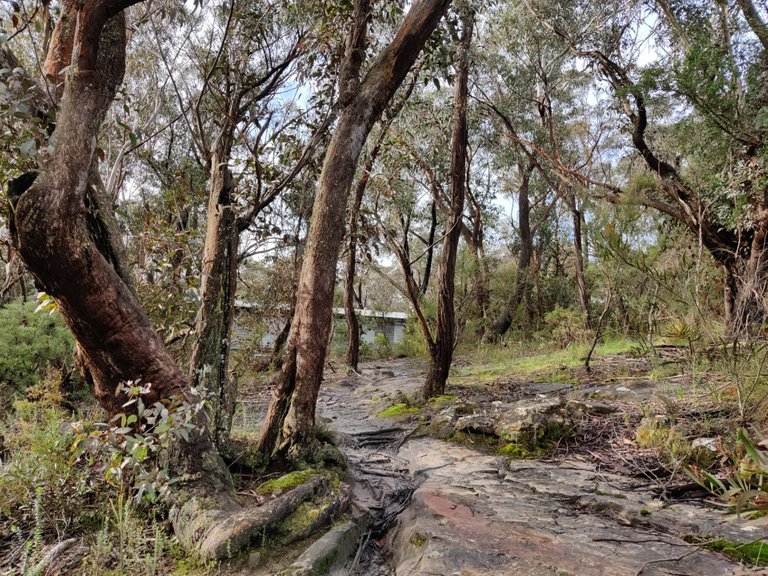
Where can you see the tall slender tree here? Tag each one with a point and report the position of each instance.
(289, 425)
(441, 350)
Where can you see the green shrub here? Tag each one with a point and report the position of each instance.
(566, 326)
(381, 344)
(38, 467)
(29, 344)
(412, 344)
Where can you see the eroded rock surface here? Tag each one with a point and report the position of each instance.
(438, 508)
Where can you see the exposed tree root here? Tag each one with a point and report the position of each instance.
(328, 515)
(218, 527)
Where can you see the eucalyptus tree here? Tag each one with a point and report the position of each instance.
(353, 325)
(289, 426)
(398, 222)
(62, 231)
(529, 88)
(694, 112)
(242, 91)
(227, 71)
(441, 349)
(117, 340)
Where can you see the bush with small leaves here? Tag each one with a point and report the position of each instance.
(30, 343)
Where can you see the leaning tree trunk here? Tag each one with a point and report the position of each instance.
(60, 246)
(289, 425)
(522, 275)
(441, 353)
(210, 351)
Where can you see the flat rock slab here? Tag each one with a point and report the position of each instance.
(443, 533)
(478, 514)
(426, 507)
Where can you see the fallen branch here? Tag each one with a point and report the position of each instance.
(51, 555)
(663, 560)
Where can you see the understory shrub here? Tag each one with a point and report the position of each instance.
(566, 326)
(30, 343)
(38, 469)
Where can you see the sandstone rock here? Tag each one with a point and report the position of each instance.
(529, 423)
(477, 424)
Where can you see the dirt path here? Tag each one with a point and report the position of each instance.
(436, 507)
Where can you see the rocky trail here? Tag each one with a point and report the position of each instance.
(423, 506)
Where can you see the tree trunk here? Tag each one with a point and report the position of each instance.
(56, 240)
(445, 339)
(353, 325)
(522, 275)
(289, 425)
(210, 351)
(14, 274)
(430, 248)
(482, 272)
(578, 252)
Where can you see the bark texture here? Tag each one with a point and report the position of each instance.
(210, 352)
(441, 352)
(54, 239)
(290, 420)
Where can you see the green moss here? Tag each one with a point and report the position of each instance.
(515, 451)
(442, 399)
(286, 482)
(398, 410)
(418, 540)
(755, 553)
(192, 567)
(301, 518)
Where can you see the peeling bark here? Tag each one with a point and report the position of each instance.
(209, 365)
